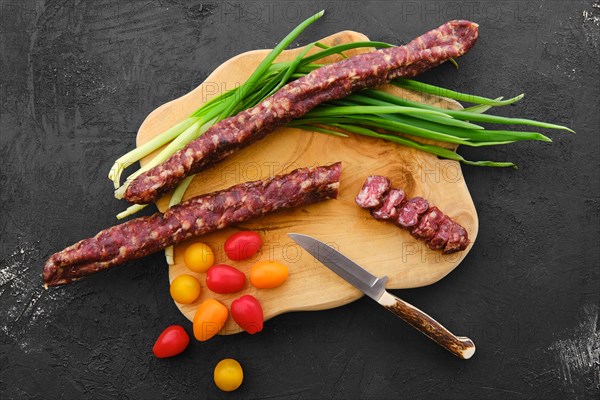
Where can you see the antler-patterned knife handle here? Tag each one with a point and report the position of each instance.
(460, 346)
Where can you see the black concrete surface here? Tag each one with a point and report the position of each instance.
(79, 77)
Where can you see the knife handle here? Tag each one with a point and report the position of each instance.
(460, 346)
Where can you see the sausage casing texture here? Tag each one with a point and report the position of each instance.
(194, 217)
(295, 99)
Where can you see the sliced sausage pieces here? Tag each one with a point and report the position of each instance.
(425, 222)
(389, 207)
(410, 212)
(372, 191)
(429, 224)
(458, 239)
(439, 240)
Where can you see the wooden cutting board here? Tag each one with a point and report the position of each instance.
(382, 248)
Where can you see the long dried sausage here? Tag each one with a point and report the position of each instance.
(199, 215)
(295, 99)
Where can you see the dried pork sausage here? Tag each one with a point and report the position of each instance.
(199, 215)
(295, 99)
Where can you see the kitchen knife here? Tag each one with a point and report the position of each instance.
(374, 287)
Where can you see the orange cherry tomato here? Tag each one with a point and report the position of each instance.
(268, 274)
(210, 317)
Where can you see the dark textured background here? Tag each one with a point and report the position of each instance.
(79, 77)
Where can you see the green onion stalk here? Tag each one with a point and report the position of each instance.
(372, 112)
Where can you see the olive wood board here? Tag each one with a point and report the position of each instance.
(382, 248)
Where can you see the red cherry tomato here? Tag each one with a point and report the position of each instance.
(247, 313)
(171, 342)
(222, 278)
(242, 245)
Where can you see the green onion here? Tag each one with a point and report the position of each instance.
(319, 129)
(496, 119)
(366, 113)
(444, 121)
(481, 108)
(176, 199)
(439, 151)
(341, 48)
(292, 68)
(140, 152)
(266, 63)
(211, 112)
(465, 114)
(356, 110)
(177, 144)
(131, 210)
(451, 94)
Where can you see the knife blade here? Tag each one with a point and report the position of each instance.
(374, 287)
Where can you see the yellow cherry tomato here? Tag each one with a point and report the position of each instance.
(185, 289)
(199, 257)
(210, 317)
(268, 274)
(228, 375)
